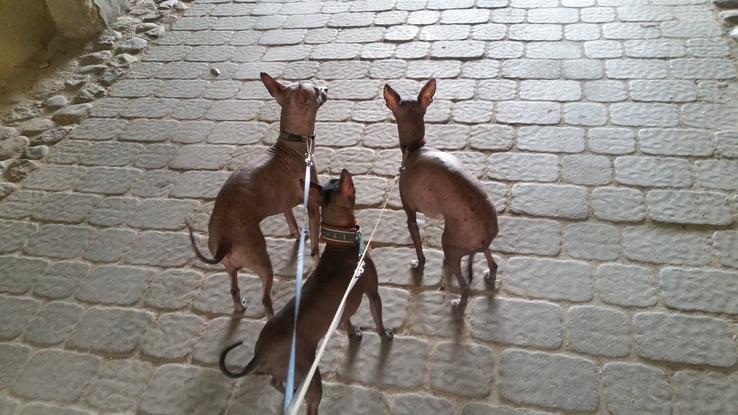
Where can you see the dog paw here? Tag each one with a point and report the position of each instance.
(417, 265)
(389, 334)
(458, 305)
(355, 334)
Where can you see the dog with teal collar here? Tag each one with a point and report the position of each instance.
(320, 298)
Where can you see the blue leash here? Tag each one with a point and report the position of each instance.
(290, 386)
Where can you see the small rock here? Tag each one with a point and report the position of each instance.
(19, 169)
(6, 188)
(110, 75)
(3, 166)
(126, 25)
(125, 59)
(56, 102)
(23, 112)
(95, 58)
(36, 152)
(726, 4)
(734, 33)
(8, 132)
(215, 71)
(74, 83)
(169, 19)
(152, 17)
(35, 126)
(72, 114)
(89, 92)
(93, 69)
(179, 6)
(156, 32)
(50, 137)
(143, 8)
(13, 147)
(44, 65)
(133, 45)
(145, 27)
(106, 40)
(168, 4)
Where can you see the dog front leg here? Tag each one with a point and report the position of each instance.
(292, 223)
(412, 226)
(354, 332)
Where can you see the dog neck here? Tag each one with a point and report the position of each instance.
(407, 149)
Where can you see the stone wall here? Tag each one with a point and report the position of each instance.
(27, 27)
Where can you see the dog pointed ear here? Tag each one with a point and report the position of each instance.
(313, 186)
(314, 194)
(391, 98)
(274, 87)
(425, 97)
(346, 184)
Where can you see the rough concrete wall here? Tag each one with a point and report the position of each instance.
(79, 19)
(76, 18)
(110, 9)
(26, 27)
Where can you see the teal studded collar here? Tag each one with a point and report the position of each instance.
(342, 236)
(284, 135)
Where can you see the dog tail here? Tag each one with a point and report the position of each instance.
(219, 254)
(249, 367)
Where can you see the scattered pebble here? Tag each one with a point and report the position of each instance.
(35, 126)
(125, 59)
(50, 137)
(89, 92)
(215, 71)
(75, 82)
(71, 114)
(145, 27)
(19, 169)
(22, 112)
(95, 58)
(133, 45)
(36, 153)
(8, 132)
(13, 147)
(57, 101)
(93, 69)
(110, 75)
(156, 32)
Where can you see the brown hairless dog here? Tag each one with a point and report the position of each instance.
(321, 296)
(437, 184)
(266, 186)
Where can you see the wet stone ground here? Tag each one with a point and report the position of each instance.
(605, 131)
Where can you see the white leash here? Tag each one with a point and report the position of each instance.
(295, 406)
(298, 277)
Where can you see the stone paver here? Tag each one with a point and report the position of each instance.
(603, 130)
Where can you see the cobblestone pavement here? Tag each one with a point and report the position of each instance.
(604, 131)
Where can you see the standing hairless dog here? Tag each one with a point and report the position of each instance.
(321, 296)
(437, 184)
(266, 186)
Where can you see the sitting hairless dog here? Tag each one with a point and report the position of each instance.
(321, 296)
(437, 184)
(265, 186)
